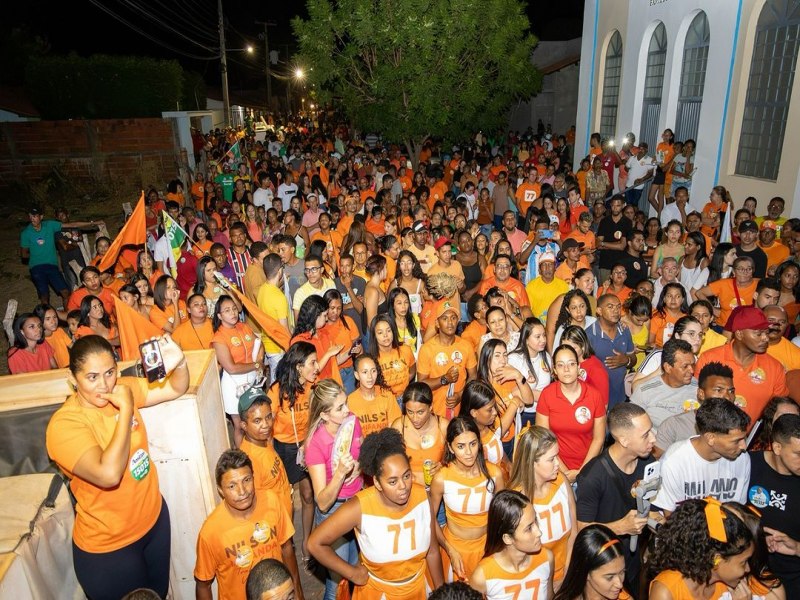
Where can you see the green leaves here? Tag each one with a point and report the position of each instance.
(412, 68)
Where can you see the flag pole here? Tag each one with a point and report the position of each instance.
(178, 225)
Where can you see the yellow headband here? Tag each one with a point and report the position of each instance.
(607, 545)
(715, 518)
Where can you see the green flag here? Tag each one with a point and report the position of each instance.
(235, 152)
(176, 236)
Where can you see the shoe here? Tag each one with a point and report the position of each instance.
(8, 320)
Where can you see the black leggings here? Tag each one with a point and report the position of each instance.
(142, 564)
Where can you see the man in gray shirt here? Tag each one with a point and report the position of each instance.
(674, 392)
(715, 380)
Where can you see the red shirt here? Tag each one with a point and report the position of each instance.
(572, 424)
(593, 372)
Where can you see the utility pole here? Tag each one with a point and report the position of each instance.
(223, 67)
(267, 25)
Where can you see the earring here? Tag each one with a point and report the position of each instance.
(717, 560)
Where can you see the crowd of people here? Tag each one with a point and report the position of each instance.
(490, 359)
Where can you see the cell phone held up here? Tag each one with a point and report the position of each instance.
(152, 361)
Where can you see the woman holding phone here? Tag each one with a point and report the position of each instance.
(99, 440)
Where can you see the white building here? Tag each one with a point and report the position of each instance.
(717, 71)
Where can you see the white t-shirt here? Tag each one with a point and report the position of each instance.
(638, 168)
(263, 197)
(542, 373)
(671, 212)
(163, 253)
(286, 192)
(686, 475)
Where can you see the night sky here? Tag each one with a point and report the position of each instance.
(66, 27)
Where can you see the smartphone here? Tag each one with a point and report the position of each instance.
(356, 342)
(546, 234)
(152, 361)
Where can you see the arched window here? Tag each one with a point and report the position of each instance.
(769, 89)
(653, 86)
(693, 78)
(611, 81)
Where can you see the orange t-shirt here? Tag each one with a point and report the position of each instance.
(589, 240)
(555, 522)
(505, 392)
(283, 430)
(105, 295)
(473, 333)
(239, 340)
(581, 177)
(533, 578)
(85, 330)
(673, 581)
(623, 294)
(396, 368)
(437, 193)
(229, 547)
(107, 518)
(525, 196)
(566, 273)
(724, 290)
(663, 327)
(333, 239)
(435, 360)
(268, 471)
(755, 384)
(189, 337)
(513, 286)
(776, 254)
(159, 317)
(60, 342)
(375, 227)
(709, 210)
(345, 336)
(376, 414)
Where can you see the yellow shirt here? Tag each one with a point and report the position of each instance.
(273, 302)
(712, 339)
(787, 354)
(541, 295)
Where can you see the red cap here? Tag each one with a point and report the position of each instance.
(441, 242)
(746, 317)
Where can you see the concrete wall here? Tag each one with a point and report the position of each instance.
(732, 25)
(557, 102)
(118, 152)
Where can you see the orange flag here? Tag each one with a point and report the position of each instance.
(270, 326)
(133, 329)
(134, 232)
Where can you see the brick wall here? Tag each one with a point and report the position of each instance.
(120, 153)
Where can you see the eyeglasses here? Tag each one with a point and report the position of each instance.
(312, 269)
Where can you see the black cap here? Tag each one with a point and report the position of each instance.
(35, 210)
(748, 225)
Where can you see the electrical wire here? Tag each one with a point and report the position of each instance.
(150, 37)
(158, 21)
(189, 17)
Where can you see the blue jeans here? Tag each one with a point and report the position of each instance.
(348, 379)
(345, 548)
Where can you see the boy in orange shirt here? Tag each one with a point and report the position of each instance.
(248, 526)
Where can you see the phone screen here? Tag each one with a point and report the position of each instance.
(547, 234)
(152, 361)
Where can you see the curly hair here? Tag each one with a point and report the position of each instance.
(310, 310)
(564, 317)
(379, 446)
(684, 544)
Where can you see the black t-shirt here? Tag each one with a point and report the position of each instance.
(777, 498)
(604, 499)
(612, 232)
(636, 268)
(759, 258)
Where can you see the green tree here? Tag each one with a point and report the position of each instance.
(411, 69)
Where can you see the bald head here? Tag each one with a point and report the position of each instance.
(778, 321)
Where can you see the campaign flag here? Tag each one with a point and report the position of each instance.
(133, 233)
(235, 152)
(134, 329)
(269, 326)
(176, 236)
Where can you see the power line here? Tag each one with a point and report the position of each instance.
(148, 36)
(158, 20)
(190, 20)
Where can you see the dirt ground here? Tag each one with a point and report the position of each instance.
(84, 203)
